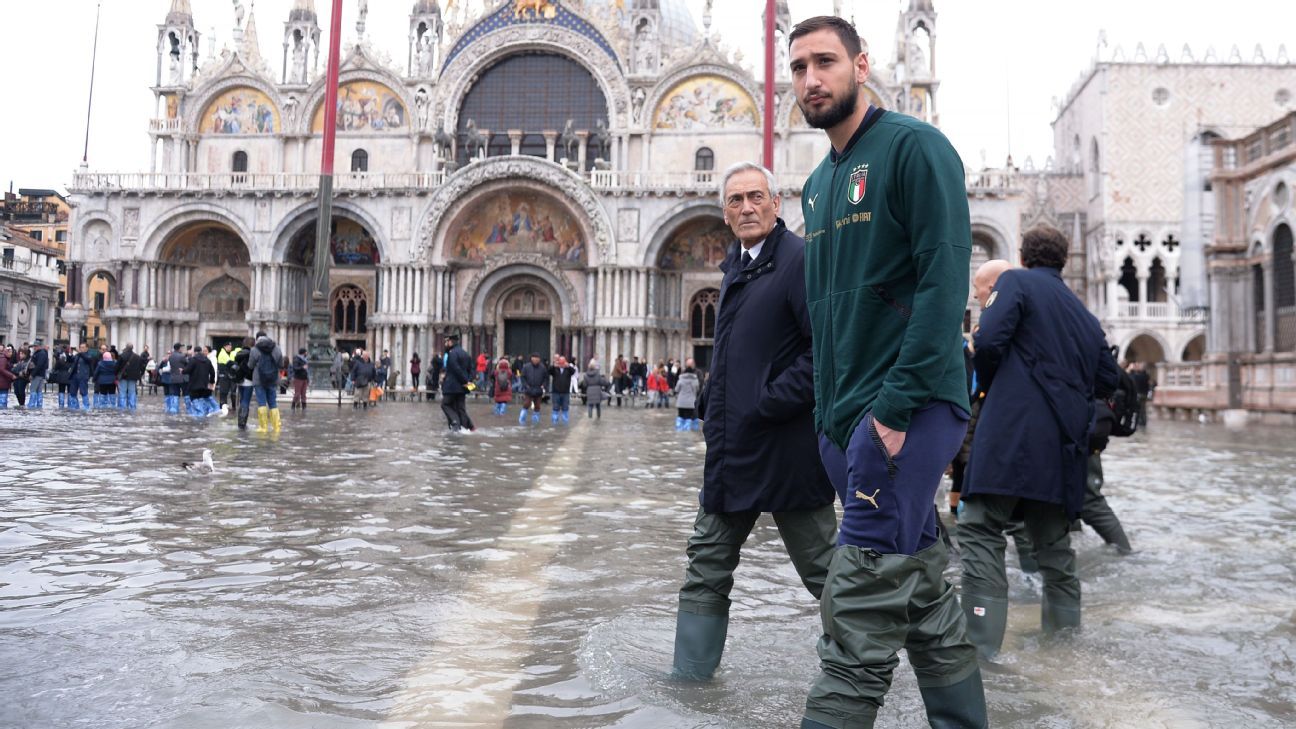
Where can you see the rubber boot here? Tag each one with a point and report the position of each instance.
(62, 396)
(263, 419)
(85, 402)
(212, 408)
(961, 706)
(566, 417)
(679, 424)
(695, 424)
(242, 417)
(522, 417)
(699, 643)
(812, 724)
(275, 423)
(188, 403)
(553, 418)
(1114, 534)
(4, 400)
(535, 417)
(987, 619)
(1056, 615)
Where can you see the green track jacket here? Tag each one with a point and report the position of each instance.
(888, 248)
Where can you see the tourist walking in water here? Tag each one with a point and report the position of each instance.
(1042, 359)
(888, 247)
(37, 372)
(201, 386)
(300, 378)
(459, 371)
(561, 375)
(687, 388)
(597, 388)
(535, 382)
(758, 422)
(502, 385)
(241, 380)
(266, 361)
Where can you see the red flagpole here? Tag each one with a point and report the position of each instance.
(769, 85)
(321, 350)
(331, 90)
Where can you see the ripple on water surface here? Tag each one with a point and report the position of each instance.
(365, 569)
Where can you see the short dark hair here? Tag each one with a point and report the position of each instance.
(845, 32)
(1044, 246)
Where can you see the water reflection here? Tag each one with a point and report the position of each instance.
(366, 570)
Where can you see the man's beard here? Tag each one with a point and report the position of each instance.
(839, 111)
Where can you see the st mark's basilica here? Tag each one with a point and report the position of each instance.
(541, 176)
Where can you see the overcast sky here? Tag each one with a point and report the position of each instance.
(1000, 63)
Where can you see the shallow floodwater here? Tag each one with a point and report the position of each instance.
(364, 569)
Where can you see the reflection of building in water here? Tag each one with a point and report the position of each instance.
(572, 154)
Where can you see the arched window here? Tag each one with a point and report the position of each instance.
(1095, 169)
(1156, 286)
(704, 160)
(350, 310)
(1129, 279)
(702, 323)
(702, 314)
(534, 92)
(359, 161)
(240, 161)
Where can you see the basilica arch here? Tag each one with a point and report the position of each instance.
(463, 189)
(468, 60)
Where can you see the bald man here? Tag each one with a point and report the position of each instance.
(987, 275)
(983, 282)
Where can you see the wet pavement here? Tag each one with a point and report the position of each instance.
(364, 569)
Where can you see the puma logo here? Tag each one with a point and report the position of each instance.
(871, 499)
(812, 201)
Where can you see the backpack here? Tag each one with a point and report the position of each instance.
(299, 367)
(267, 370)
(1124, 406)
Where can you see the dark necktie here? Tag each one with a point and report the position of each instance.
(746, 259)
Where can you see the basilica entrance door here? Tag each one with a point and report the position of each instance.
(526, 337)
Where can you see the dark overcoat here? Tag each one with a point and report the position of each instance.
(1042, 359)
(758, 403)
(459, 371)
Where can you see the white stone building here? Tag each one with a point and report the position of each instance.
(541, 178)
(29, 286)
(1138, 132)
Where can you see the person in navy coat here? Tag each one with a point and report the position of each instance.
(758, 419)
(1042, 359)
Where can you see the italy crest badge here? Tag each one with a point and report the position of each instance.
(857, 184)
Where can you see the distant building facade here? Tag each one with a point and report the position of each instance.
(29, 287)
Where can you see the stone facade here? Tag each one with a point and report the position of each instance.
(607, 236)
(1249, 367)
(29, 286)
(1138, 132)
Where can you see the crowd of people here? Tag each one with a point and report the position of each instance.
(195, 380)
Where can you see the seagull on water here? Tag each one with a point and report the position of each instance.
(206, 466)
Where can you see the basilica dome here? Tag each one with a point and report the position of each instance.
(678, 28)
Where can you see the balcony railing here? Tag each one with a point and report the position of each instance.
(1160, 310)
(251, 181)
(996, 182)
(165, 125)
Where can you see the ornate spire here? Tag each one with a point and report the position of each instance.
(250, 47)
(180, 13)
(302, 10)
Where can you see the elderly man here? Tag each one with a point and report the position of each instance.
(757, 410)
(888, 242)
(1042, 359)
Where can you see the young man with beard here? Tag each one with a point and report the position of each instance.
(888, 245)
